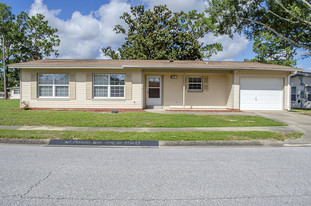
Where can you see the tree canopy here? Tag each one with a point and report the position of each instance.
(25, 38)
(162, 34)
(289, 20)
(273, 50)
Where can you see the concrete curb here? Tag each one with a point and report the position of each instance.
(97, 143)
(24, 141)
(214, 143)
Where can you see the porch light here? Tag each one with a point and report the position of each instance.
(174, 77)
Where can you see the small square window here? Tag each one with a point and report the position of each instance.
(194, 84)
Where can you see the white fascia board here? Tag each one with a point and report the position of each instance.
(63, 67)
(224, 68)
(144, 67)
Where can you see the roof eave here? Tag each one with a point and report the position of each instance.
(146, 67)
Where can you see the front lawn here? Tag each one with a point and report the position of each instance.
(155, 136)
(11, 115)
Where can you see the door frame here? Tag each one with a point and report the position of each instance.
(147, 90)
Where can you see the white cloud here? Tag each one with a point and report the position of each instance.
(178, 5)
(83, 36)
(231, 47)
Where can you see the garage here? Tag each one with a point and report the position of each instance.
(261, 93)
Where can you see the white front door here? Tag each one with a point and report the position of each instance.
(154, 96)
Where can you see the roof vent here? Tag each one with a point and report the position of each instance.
(171, 60)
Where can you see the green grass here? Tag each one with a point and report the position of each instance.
(160, 136)
(302, 111)
(10, 115)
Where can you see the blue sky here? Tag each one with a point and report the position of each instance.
(85, 26)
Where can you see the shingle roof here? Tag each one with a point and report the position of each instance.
(96, 63)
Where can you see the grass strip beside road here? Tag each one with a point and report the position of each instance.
(151, 136)
(10, 115)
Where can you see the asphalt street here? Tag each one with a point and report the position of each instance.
(40, 175)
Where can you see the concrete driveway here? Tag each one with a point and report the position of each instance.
(296, 121)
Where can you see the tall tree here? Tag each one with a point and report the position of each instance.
(162, 34)
(289, 20)
(25, 38)
(273, 50)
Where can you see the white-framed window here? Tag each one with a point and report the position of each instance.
(293, 95)
(16, 91)
(108, 85)
(53, 85)
(308, 88)
(195, 84)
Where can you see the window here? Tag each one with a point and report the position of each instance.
(109, 85)
(309, 92)
(16, 91)
(293, 96)
(53, 85)
(194, 84)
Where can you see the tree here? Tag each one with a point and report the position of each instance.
(25, 38)
(289, 20)
(273, 50)
(161, 34)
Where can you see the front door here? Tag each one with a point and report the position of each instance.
(154, 96)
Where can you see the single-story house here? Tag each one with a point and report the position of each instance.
(14, 93)
(167, 84)
(301, 90)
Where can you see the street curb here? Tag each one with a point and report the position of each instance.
(215, 143)
(113, 143)
(24, 141)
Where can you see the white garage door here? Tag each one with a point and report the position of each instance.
(261, 93)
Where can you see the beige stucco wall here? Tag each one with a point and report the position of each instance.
(80, 86)
(216, 91)
(263, 74)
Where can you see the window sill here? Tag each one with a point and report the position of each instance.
(53, 99)
(109, 99)
(198, 91)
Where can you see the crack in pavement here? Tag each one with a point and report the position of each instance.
(35, 185)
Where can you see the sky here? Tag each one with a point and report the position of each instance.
(85, 26)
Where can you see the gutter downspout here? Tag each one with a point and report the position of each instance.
(289, 90)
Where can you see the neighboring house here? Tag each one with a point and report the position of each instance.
(14, 93)
(139, 84)
(301, 90)
(2, 95)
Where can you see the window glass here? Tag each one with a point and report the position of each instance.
(61, 91)
(117, 91)
(117, 79)
(195, 84)
(109, 85)
(45, 78)
(17, 91)
(61, 78)
(308, 89)
(53, 85)
(45, 91)
(100, 79)
(293, 90)
(101, 91)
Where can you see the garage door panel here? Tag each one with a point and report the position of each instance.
(261, 94)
